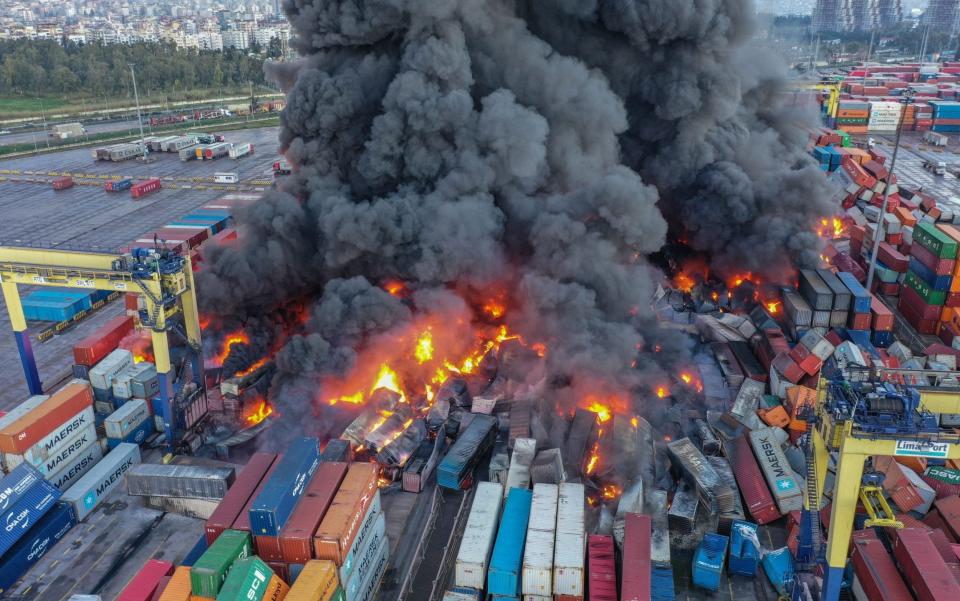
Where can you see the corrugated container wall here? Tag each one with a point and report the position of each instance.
(358, 491)
(503, 577)
(238, 495)
(296, 538)
(602, 567)
(474, 554)
(87, 492)
(635, 584)
(272, 508)
(570, 546)
(316, 582)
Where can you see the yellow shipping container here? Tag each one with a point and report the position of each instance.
(317, 582)
(178, 589)
(276, 589)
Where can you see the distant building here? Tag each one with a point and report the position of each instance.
(856, 15)
(235, 38)
(942, 15)
(207, 40)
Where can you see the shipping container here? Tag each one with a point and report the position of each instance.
(756, 494)
(316, 582)
(949, 508)
(53, 444)
(141, 189)
(145, 583)
(366, 558)
(92, 349)
(456, 469)
(126, 419)
(22, 409)
(76, 468)
(369, 587)
(635, 584)
(735, 512)
(215, 151)
(87, 492)
(184, 481)
(241, 150)
(923, 567)
(18, 436)
(841, 295)
(336, 534)
(296, 538)
(537, 577)
(243, 519)
(191, 508)
(210, 571)
(24, 498)
(933, 239)
(478, 536)
(178, 588)
(118, 185)
(246, 579)
(708, 561)
(62, 455)
(62, 183)
(570, 546)
(272, 508)
(102, 374)
(51, 528)
(776, 470)
(744, 552)
(700, 474)
(682, 515)
(503, 577)
(370, 528)
(815, 291)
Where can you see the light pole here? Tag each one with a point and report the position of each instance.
(878, 237)
(136, 97)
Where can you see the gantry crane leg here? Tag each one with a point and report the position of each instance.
(845, 496)
(22, 336)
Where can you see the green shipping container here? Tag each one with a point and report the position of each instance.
(246, 581)
(943, 474)
(926, 292)
(844, 138)
(338, 595)
(210, 571)
(928, 236)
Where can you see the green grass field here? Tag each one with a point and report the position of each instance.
(19, 106)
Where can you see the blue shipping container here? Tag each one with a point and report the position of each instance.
(882, 339)
(744, 555)
(195, 553)
(861, 298)
(273, 506)
(456, 468)
(24, 497)
(779, 568)
(503, 577)
(51, 310)
(708, 561)
(135, 436)
(41, 538)
(940, 283)
(661, 584)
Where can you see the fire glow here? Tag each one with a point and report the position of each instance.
(831, 228)
(262, 412)
(233, 338)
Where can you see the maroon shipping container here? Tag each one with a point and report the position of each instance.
(268, 548)
(893, 258)
(239, 494)
(602, 568)
(860, 321)
(912, 315)
(753, 486)
(280, 569)
(935, 520)
(942, 542)
(949, 509)
(932, 261)
(145, 187)
(635, 585)
(161, 586)
(194, 236)
(943, 489)
(102, 342)
(243, 520)
(296, 538)
(142, 586)
(62, 183)
(924, 570)
(923, 311)
(876, 575)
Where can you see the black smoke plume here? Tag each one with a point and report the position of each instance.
(535, 147)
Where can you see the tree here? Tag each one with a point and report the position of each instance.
(275, 48)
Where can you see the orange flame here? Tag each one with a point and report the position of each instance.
(262, 412)
(424, 350)
(257, 365)
(494, 309)
(594, 458)
(231, 339)
(394, 287)
(662, 391)
(602, 411)
(831, 228)
(634, 421)
(611, 491)
(683, 282)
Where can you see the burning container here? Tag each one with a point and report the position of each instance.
(24, 498)
(568, 556)
(145, 583)
(273, 506)
(51, 528)
(708, 561)
(87, 492)
(726, 518)
(635, 584)
(337, 450)
(682, 515)
(18, 436)
(209, 573)
(347, 514)
(183, 481)
(504, 576)
(238, 495)
(776, 470)
(456, 469)
(478, 536)
(697, 470)
(316, 582)
(924, 568)
(296, 538)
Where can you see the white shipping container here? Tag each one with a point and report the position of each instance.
(76, 469)
(241, 150)
(538, 563)
(543, 508)
(570, 509)
(54, 441)
(536, 598)
(568, 564)
(518, 476)
(64, 453)
(99, 482)
(192, 508)
(776, 469)
(102, 374)
(121, 384)
(478, 536)
(453, 596)
(125, 419)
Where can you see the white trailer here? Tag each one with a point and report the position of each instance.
(935, 138)
(241, 150)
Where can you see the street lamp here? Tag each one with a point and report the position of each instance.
(136, 97)
(880, 234)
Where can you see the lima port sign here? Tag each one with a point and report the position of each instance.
(922, 448)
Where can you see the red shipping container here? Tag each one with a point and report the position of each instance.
(102, 342)
(876, 574)
(753, 486)
(30, 429)
(142, 586)
(131, 301)
(161, 586)
(268, 548)
(860, 321)
(145, 187)
(296, 538)
(944, 546)
(924, 326)
(227, 511)
(949, 509)
(788, 367)
(635, 584)
(931, 261)
(935, 521)
(943, 489)
(953, 300)
(601, 568)
(243, 519)
(893, 258)
(894, 239)
(280, 569)
(886, 288)
(62, 183)
(882, 317)
(924, 569)
(922, 310)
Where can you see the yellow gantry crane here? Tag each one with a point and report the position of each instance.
(830, 88)
(161, 277)
(856, 439)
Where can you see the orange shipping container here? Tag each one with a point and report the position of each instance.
(799, 396)
(917, 464)
(178, 589)
(27, 431)
(276, 589)
(775, 417)
(316, 582)
(343, 518)
(905, 216)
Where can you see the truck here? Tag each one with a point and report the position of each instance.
(215, 151)
(241, 150)
(281, 167)
(226, 177)
(64, 131)
(178, 143)
(935, 166)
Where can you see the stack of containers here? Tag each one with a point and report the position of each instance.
(946, 116)
(24, 498)
(101, 480)
(316, 582)
(884, 117)
(776, 470)
(102, 375)
(757, 498)
(881, 322)
(924, 567)
(55, 305)
(929, 279)
(250, 578)
(273, 505)
(949, 327)
(295, 543)
(34, 544)
(538, 552)
(473, 557)
(568, 557)
(875, 575)
(860, 317)
(238, 495)
(853, 115)
(131, 423)
(840, 310)
(209, 573)
(819, 296)
(95, 347)
(504, 575)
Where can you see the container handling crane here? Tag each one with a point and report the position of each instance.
(874, 412)
(164, 280)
